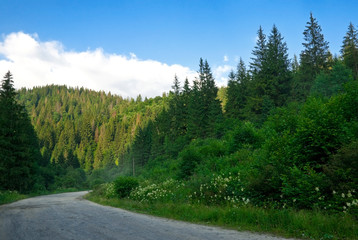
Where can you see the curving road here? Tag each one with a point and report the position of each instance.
(69, 216)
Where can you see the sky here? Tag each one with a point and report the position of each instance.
(131, 47)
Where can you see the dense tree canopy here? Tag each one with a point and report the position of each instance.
(287, 129)
(19, 149)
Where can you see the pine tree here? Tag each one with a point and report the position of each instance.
(205, 108)
(195, 109)
(350, 50)
(313, 59)
(19, 149)
(259, 53)
(276, 69)
(253, 108)
(237, 91)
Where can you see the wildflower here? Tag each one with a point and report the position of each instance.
(343, 195)
(348, 204)
(349, 194)
(294, 200)
(317, 189)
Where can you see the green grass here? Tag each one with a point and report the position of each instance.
(13, 196)
(10, 196)
(283, 222)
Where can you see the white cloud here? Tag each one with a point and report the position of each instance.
(226, 58)
(36, 63)
(221, 74)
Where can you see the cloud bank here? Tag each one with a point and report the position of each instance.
(36, 63)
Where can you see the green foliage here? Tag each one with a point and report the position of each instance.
(342, 168)
(320, 132)
(304, 188)
(350, 50)
(19, 149)
(313, 59)
(162, 192)
(282, 222)
(243, 135)
(237, 88)
(124, 185)
(73, 178)
(190, 158)
(329, 84)
(84, 128)
(9, 196)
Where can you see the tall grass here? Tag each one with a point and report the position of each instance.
(10, 196)
(282, 222)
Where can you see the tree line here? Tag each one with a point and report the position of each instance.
(87, 130)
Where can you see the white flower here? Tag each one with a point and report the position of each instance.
(348, 204)
(317, 189)
(334, 192)
(349, 194)
(343, 195)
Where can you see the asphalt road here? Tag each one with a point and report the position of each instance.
(69, 216)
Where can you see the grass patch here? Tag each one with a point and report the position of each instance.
(281, 222)
(10, 196)
(13, 196)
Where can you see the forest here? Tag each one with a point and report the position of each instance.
(283, 133)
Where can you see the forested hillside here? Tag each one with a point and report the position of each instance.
(84, 128)
(284, 132)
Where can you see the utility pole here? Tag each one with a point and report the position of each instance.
(133, 167)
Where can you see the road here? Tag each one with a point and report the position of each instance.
(69, 216)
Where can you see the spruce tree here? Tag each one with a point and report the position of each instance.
(19, 149)
(237, 91)
(276, 69)
(259, 53)
(313, 59)
(350, 50)
(210, 107)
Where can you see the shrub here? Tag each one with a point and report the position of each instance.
(190, 158)
(124, 185)
(304, 188)
(162, 192)
(245, 134)
(342, 168)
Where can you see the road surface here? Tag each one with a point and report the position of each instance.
(69, 216)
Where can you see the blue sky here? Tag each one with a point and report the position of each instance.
(166, 32)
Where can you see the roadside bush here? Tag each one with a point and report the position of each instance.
(163, 192)
(304, 188)
(74, 178)
(342, 168)
(189, 159)
(243, 135)
(124, 185)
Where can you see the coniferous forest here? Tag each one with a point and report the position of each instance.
(283, 133)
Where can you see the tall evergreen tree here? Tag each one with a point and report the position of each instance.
(237, 91)
(209, 107)
(19, 149)
(313, 59)
(253, 108)
(195, 109)
(259, 53)
(276, 69)
(350, 50)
